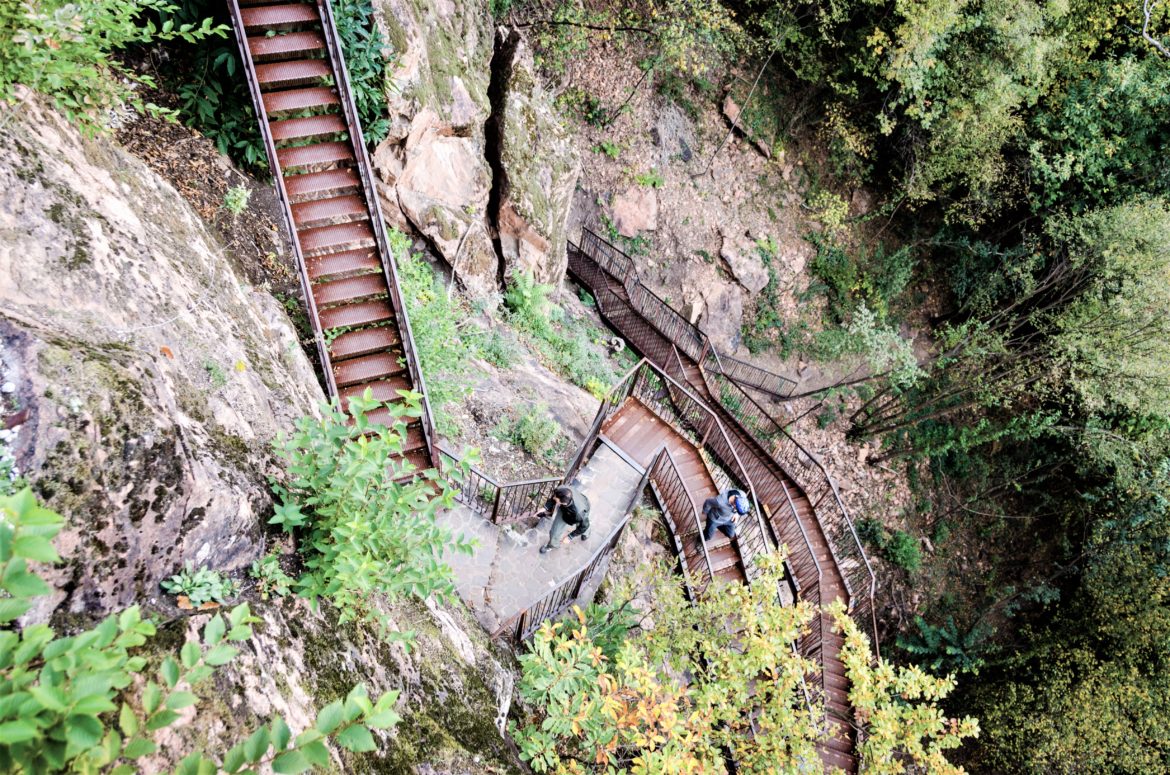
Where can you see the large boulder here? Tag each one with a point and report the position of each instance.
(539, 165)
(432, 167)
(635, 210)
(149, 381)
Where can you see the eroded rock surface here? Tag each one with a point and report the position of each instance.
(434, 172)
(539, 166)
(153, 380)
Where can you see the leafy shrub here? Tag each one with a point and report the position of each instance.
(214, 98)
(831, 210)
(610, 149)
(902, 550)
(528, 302)
(85, 702)
(498, 350)
(366, 55)
(534, 431)
(608, 626)
(235, 201)
(651, 179)
(876, 279)
(201, 586)
(367, 527)
(67, 51)
(943, 648)
(270, 577)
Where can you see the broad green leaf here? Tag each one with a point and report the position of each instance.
(256, 745)
(330, 717)
(281, 734)
(164, 718)
(180, 700)
(190, 654)
(290, 763)
(139, 747)
(357, 739)
(221, 655)
(127, 721)
(17, 731)
(170, 672)
(213, 632)
(35, 548)
(83, 732)
(151, 697)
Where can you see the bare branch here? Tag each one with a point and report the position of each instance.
(1147, 12)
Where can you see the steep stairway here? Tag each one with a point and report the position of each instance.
(297, 76)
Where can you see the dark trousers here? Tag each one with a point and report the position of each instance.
(709, 531)
(559, 526)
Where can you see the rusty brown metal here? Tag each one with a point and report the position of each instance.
(297, 72)
(294, 65)
(324, 212)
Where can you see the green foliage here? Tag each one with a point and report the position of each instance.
(499, 350)
(437, 319)
(235, 201)
(587, 107)
(634, 246)
(610, 149)
(831, 210)
(366, 58)
(213, 98)
(607, 702)
(500, 8)
(69, 52)
(607, 626)
(897, 546)
(215, 373)
(898, 708)
(201, 586)
(651, 179)
(876, 279)
(270, 577)
(365, 517)
(944, 648)
(571, 346)
(535, 431)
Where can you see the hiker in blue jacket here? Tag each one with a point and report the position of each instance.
(721, 512)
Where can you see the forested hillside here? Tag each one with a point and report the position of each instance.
(945, 223)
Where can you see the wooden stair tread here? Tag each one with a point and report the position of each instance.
(363, 342)
(350, 289)
(366, 368)
(332, 239)
(293, 71)
(311, 185)
(333, 264)
(309, 126)
(317, 153)
(385, 390)
(274, 16)
(325, 211)
(292, 43)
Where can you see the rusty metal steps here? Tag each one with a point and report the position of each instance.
(296, 72)
(306, 114)
(349, 290)
(353, 315)
(266, 48)
(279, 17)
(326, 212)
(381, 390)
(366, 368)
(340, 264)
(324, 125)
(300, 99)
(364, 341)
(327, 183)
(335, 239)
(317, 154)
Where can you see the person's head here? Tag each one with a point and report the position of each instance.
(740, 502)
(564, 495)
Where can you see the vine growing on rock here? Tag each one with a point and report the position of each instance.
(87, 703)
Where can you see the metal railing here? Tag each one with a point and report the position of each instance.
(683, 519)
(718, 374)
(389, 265)
(500, 503)
(553, 604)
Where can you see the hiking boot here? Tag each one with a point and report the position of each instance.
(545, 549)
(585, 536)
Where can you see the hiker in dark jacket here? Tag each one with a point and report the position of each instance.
(568, 507)
(721, 512)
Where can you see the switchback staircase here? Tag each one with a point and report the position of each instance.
(804, 510)
(300, 88)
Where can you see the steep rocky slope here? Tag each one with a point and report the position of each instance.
(147, 383)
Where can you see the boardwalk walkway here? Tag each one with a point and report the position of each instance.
(508, 574)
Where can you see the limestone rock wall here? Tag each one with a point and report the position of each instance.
(539, 165)
(151, 380)
(477, 160)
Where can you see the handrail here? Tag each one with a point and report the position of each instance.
(664, 474)
(281, 193)
(860, 582)
(553, 603)
(500, 503)
(389, 264)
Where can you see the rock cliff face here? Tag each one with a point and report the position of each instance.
(147, 384)
(467, 115)
(538, 167)
(152, 380)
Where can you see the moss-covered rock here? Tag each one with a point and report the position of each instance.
(153, 381)
(539, 165)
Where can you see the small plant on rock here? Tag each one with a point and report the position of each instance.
(235, 201)
(201, 586)
(270, 577)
